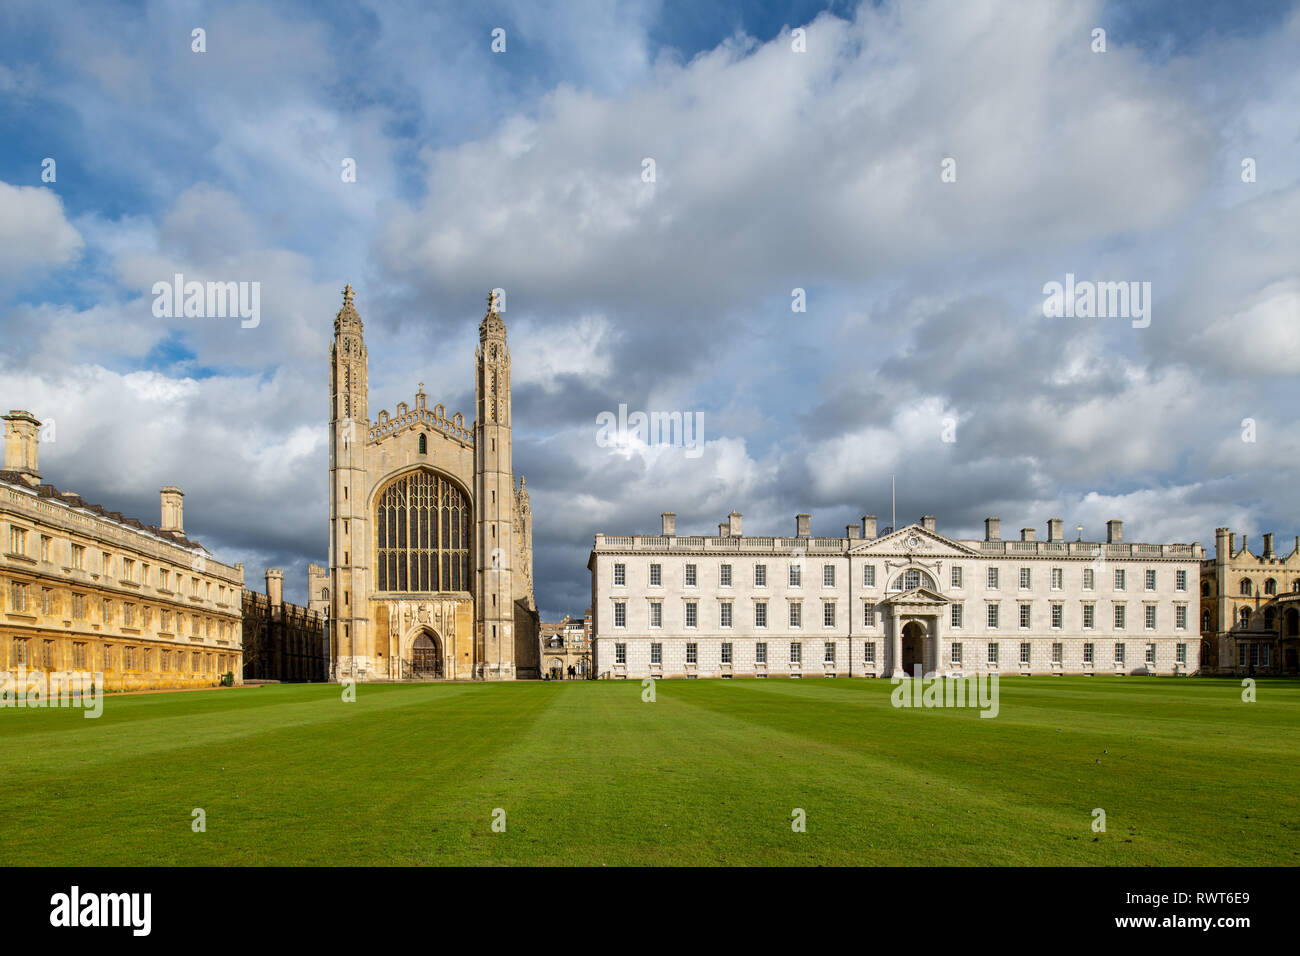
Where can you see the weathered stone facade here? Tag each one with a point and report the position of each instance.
(282, 641)
(430, 538)
(88, 590)
(862, 605)
(318, 602)
(1250, 608)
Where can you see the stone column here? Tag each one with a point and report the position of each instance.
(936, 649)
(895, 644)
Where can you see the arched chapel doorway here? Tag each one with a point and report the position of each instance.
(426, 657)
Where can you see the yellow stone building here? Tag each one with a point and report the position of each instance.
(87, 590)
(431, 540)
(566, 644)
(1250, 607)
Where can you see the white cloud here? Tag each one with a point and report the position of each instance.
(1262, 338)
(34, 234)
(581, 348)
(771, 165)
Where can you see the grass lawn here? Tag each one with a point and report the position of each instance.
(708, 774)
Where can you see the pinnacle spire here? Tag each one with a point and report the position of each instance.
(492, 323)
(347, 316)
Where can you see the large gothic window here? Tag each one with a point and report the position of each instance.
(423, 523)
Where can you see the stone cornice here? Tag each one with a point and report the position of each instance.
(1064, 551)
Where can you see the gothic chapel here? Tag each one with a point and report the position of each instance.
(431, 543)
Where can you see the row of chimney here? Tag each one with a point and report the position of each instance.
(992, 528)
(22, 447)
(1225, 538)
(802, 526)
(1055, 531)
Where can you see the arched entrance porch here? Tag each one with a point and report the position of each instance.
(913, 622)
(424, 659)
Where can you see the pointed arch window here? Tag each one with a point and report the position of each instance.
(424, 444)
(423, 535)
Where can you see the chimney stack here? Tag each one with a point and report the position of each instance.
(275, 587)
(868, 526)
(852, 532)
(733, 520)
(22, 435)
(173, 510)
(1222, 550)
(1268, 546)
(1026, 534)
(927, 522)
(803, 526)
(992, 529)
(669, 520)
(1055, 529)
(1114, 531)
(722, 529)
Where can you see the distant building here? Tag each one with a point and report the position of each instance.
(88, 590)
(318, 600)
(864, 605)
(282, 641)
(1250, 608)
(566, 644)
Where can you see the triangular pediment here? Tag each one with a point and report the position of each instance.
(914, 540)
(921, 595)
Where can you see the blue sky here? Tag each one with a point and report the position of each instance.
(776, 170)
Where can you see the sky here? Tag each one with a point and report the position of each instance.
(921, 171)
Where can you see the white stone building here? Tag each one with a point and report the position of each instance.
(865, 605)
